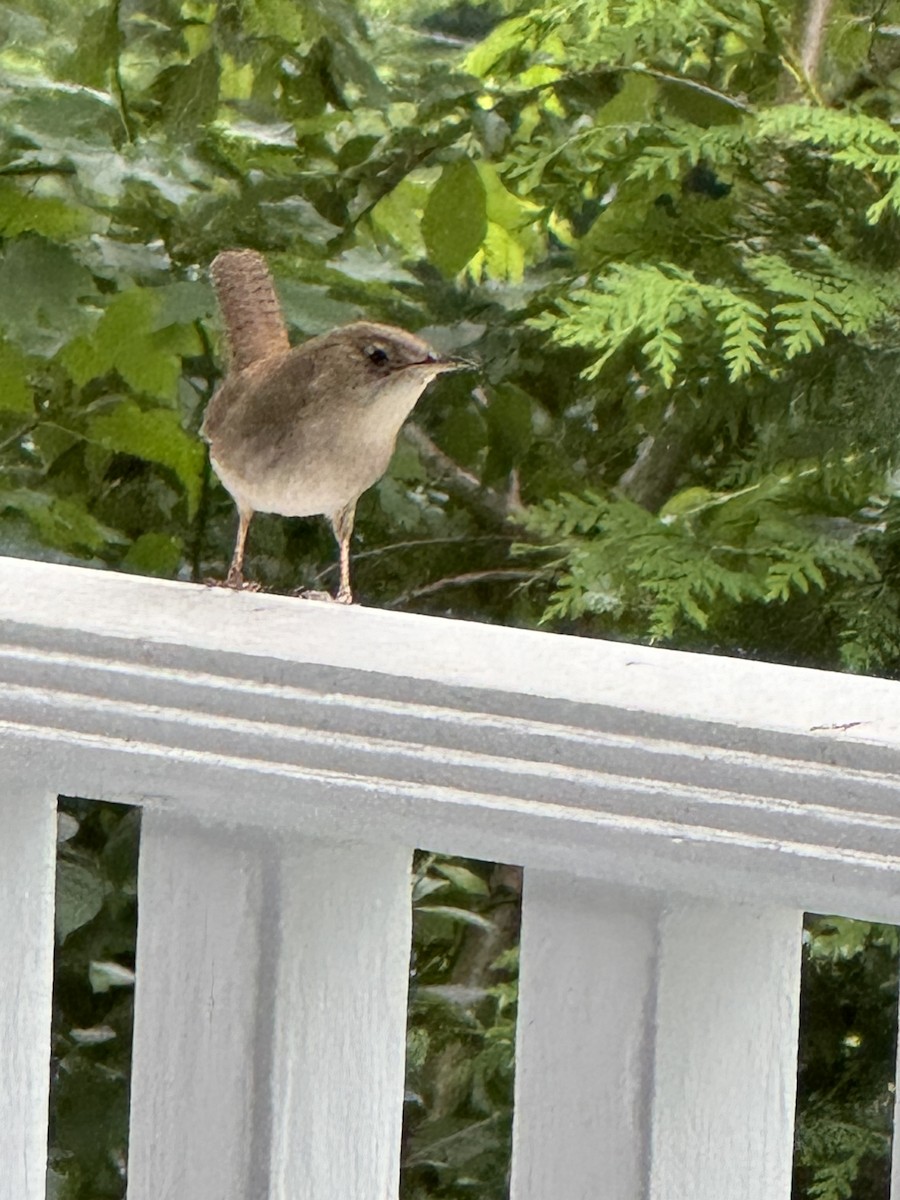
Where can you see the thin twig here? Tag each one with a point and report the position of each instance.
(461, 539)
(694, 84)
(118, 85)
(500, 575)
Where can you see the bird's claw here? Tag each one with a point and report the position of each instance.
(235, 583)
(312, 594)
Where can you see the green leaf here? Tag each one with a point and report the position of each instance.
(657, 302)
(95, 53)
(128, 339)
(406, 464)
(502, 206)
(51, 441)
(61, 119)
(451, 913)
(59, 522)
(511, 429)
(663, 352)
(106, 975)
(155, 436)
(154, 554)
(183, 303)
(276, 18)
(369, 266)
(15, 392)
(189, 94)
(398, 215)
(235, 79)
(295, 217)
(744, 340)
(505, 39)
(50, 216)
(311, 308)
(123, 262)
(427, 886)
(687, 502)
(463, 434)
(502, 256)
(463, 878)
(80, 892)
(40, 287)
(633, 102)
(455, 219)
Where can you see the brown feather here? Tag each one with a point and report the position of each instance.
(250, 308)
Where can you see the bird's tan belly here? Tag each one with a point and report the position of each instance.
(300, 489)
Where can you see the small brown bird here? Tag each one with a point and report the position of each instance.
(305, 431)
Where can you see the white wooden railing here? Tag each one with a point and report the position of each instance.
(675, 814)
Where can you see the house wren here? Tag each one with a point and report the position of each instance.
(305, 431)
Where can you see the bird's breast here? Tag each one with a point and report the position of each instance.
(301, 460)
(296, 480)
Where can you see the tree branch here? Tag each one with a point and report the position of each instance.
(460, 483)
(817, 15)
(661, 457)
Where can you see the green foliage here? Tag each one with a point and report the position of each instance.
(155, 436)
(654, 303)
(758, 544)
(127, 340)
(96, 923)
(847, 1046)
(454, 221)
(461, 1037)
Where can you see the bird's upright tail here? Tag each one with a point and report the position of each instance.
(250, 308)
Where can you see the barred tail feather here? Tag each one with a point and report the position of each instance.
(250, 307)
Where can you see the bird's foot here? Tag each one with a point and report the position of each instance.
(311, 594)
(237, 583)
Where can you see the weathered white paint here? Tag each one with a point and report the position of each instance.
(198, 1101)
(582, 1053)
(340, 1022)
(27, 882)
(270, 1016)
(280, 748)
(656, 1047)
(725, 1055)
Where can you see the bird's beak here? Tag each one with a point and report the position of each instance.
(455, 364)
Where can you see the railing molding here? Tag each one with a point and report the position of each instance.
(675, 814)
(708, 776)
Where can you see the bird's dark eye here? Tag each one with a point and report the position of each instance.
(376, 355)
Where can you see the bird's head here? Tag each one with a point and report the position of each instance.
(380, 352)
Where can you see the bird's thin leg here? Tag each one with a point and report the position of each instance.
(342, 524)
(235, 576)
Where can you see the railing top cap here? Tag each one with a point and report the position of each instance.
(724, 690)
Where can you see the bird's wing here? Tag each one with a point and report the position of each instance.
(269, 394)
